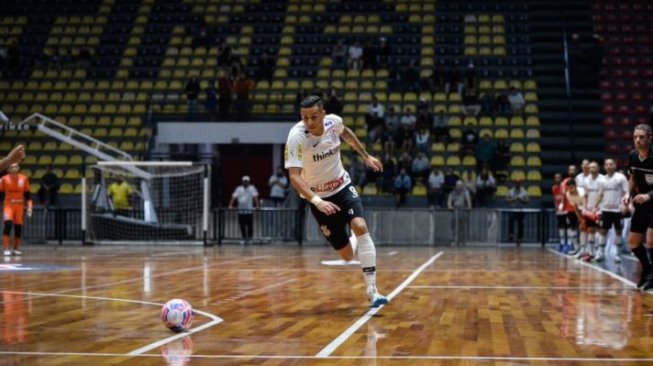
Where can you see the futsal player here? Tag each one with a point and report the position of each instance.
(592, 211)
(640, 165)
(14, 192)
(613, 190)
(312, 157)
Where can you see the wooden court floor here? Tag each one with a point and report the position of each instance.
(278, 305)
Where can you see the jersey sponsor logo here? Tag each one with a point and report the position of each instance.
(329, 186)
(294, 152)
(326, 154)
(328, 123)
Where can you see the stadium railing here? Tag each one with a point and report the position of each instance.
(415, 226)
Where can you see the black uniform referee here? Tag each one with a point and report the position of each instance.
(640, 165)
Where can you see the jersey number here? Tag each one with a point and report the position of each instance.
(353, 191)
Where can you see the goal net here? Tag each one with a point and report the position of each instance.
(145, 202)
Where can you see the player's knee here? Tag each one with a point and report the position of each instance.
(18, 230)
(359, 226)
(7, 227)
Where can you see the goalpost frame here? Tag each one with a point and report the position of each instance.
(134, 167)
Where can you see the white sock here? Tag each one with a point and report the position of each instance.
(583, 238)
(602, 240)
(561, 234)
(354, 243)
(571, 236)
(367, 257)
(617, 241)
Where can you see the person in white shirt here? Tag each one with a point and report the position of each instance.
(517, 197)
(436, 181)
(580, 185)
(312, 157)
(517, 101)
(355, 56)
(592, 208)
(278, 184)
(245, 197)
(612, 192)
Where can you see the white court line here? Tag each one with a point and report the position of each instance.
(307, 357)
(604, 271)
(255, 291)
(140, 279)
(214, 319)
(522, 287)
(326, 351)
(394, 252)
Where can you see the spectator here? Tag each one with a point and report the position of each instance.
(278, 185)
(245, 197)
(404, 138)
(192, 91)
(470, 76)
(469, 140)
(485, 187)
(389, 171)
(120, 193)
(211, 102)
(403, 185)
(420, 168)
(405, 161)
(369, 56)
(242, 87)
(225, 54)
(49, 188)
(423, 140)
(469, 182)
(225, 88)
(471, 104)
(487, 104)
(485, 152)
(450, 180)
(501, 104)
(441, 127)
(355, 56)
(517, 197)
(357, 172)
(391, 120)
(558, 205)
(383, 53)
(436, 182)
(408, 119)
(374, 114)
(202, 38)
(411, 76)
(501, 157)
(265, 67)
(459, 201)
(333, 104)
(339, 55)
(516, 100)
(424, 117)
(456, 81)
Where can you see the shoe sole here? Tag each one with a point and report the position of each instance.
(378, 302)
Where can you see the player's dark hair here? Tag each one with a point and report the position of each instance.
(312, 100)
(644, 127)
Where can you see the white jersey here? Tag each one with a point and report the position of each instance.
(592, 188)
(581, 180)
(614, 187)
(318, 156)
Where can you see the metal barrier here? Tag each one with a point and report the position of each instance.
(389, 226)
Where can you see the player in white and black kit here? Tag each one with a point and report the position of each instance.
(640, 165)
(592, 208)
(613, 190)
(312, 157)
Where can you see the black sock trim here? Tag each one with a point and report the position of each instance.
(369, 269)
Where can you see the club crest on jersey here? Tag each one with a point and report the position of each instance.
(333, 135)
(325, 231)
(328, 123)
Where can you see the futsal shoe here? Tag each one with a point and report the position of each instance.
(648, 284)
(587, 257)
(599, 256)
(643, 278)
(376, 299)
(617, 257)
(7, 253)
(18, 252)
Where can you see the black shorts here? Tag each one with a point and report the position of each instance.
(591, 223)
(572, 220)
(642, 218)
(334, 227)
(608, 219)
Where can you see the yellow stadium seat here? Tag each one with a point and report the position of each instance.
(370, 190)
(419, 190)
(533, 147)
(502, 191)
(534, 161)
(516, 147)
(437, 160)
(437, 147)
(453, 147)
(517, 175)
(501, 122)
(469, 161)
(534, 175)
(516, 133)
(534, 191)
(516, 121)
(533, 133)
(517, 161)
(453, 161)
(501, 133)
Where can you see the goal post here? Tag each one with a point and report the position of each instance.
(154, 202)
